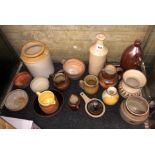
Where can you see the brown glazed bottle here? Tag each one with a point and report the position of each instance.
(132, 56)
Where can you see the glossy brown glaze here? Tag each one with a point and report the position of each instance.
(132, 56)
(61, 80)
(108, 76)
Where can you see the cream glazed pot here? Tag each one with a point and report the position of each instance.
(110, 96)
(36, 57)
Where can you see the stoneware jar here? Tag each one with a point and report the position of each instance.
(97, 55)
(36, 57)
(108, 76)
(90, 84)
(110, 96)
(48, 102)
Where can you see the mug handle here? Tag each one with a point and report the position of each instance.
(81, 84)
(119, 71)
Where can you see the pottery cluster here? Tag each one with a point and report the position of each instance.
(127, 77)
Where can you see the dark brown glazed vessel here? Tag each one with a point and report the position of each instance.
(132, 56)
(61, 80)
(108, 76)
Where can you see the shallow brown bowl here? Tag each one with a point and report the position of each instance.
(22, 79)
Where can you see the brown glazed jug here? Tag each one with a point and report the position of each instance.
(108, 76)
(132, 56)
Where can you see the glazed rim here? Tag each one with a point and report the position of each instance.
(133, 72)
(78, 62)
(30, 45)
(111, 91)
(139, 98)
(93, 76)
(95, 116)
(110, 69)
(14, 92)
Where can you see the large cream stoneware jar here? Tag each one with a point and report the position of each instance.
(36, 57)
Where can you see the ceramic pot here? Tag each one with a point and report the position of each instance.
(110, 96)
(74, 101)
(74, 68)
(48, 102)
(90, 84)
(125, 91)
(36, 57)
(133, 118)
(97, 55)
(61, 80)
(22, 79)
(93, 107)
(108, 76)
(134, 78)
(16, 100)
(132, 56)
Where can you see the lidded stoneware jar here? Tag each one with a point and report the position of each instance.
(97, 55)
(36, 57)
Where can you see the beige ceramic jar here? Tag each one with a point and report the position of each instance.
(110, 96)
(36, 57)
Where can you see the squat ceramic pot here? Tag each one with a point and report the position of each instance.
(110, 96)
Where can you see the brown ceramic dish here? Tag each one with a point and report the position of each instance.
(22, 79)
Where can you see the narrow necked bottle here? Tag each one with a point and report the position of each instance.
(97, 55)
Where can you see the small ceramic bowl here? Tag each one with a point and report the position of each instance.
(39, 84)
(22, 79)
(74, 101)
(16, 100)
(134, 78)
(74, 68)
(137, 105)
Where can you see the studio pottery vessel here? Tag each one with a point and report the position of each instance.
(132, 56)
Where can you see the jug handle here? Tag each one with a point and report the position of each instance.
(85, 98)
(119, 71)
(81, 84)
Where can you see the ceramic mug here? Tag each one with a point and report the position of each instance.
(48, 102)
(61, 80)
(90, 84)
